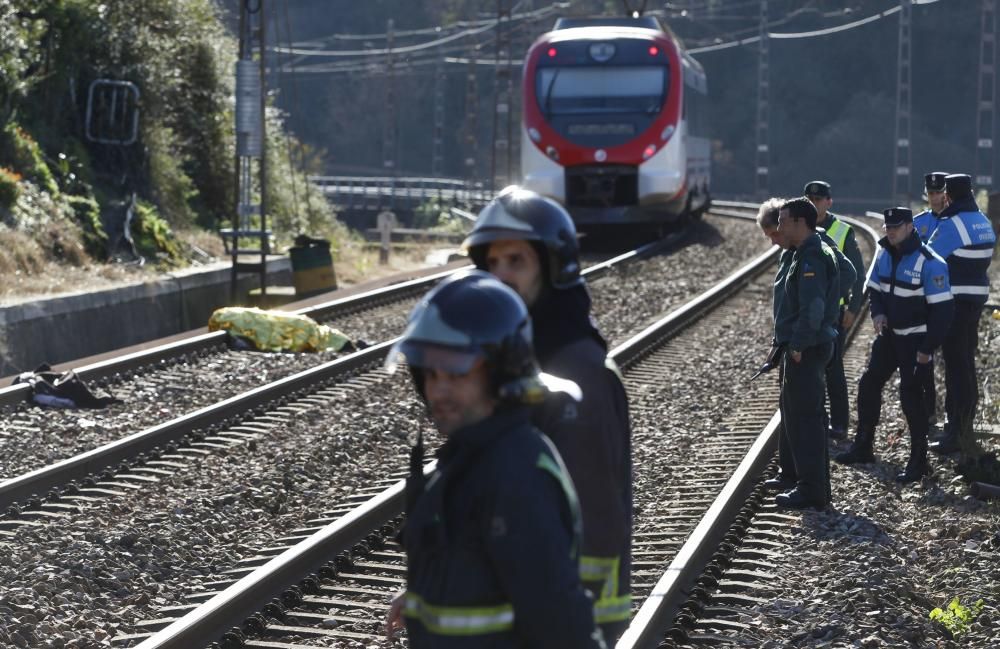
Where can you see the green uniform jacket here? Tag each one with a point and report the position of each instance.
(807, 306)
(853, 253)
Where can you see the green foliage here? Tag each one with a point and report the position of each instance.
(9, 188)
(153, 237)
(171, 187)
(956, 618)
(88, 216)
(20, 29)
(434, 215)
(22, 153)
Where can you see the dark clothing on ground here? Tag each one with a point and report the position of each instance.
(492, 545)
(593, 437)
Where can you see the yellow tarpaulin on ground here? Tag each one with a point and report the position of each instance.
(277, 331)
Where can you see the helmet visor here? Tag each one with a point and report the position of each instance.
(417, 353)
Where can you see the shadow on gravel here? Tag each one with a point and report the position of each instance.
(850, 528)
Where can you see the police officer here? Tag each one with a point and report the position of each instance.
(806, 312)
(911, 307)
(925, 224)
(767, 220)
(492, 536)
(965, 239)
(818, 193)
(529, 242)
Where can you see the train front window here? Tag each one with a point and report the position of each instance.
(563, 91)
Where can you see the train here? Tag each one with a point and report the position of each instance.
(614, 123)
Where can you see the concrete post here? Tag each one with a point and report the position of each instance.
(386, 221)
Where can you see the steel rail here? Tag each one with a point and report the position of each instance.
(229, 608)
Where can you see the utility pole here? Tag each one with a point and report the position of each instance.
(437, 153)
(501, 169)
(901, 165)
(471, 121)
(251, 102)
(763, 113)
(389, 115)
(987, 96)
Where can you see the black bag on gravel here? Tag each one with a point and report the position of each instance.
(64, 390)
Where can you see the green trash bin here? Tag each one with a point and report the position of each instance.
(312, 266)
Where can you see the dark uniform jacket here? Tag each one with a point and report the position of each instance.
(807, 306)
(848, 273)
(925, 224)
(965, 239)
(910, 287)
(492, 545)
(593, 438)
(835, 226)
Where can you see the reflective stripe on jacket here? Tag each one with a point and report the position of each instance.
(843, 235)
(604, 573)
(965, 239)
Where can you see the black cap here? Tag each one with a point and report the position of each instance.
(958, 185)
(898, 216)
(934, 181)
(817, 188)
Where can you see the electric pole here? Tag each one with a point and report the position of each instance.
(763, 113)
(500, 168)
(389, 115)
(987, 89)
(901, 166)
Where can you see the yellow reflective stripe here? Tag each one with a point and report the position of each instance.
(614, 609)
(546, 463)
(838, 232)
(459, 620)
(604, 570)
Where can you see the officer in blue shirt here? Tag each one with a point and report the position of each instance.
(925, 224)
(965, 239)
(493, 535)
(911, 307)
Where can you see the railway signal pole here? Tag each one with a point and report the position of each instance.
(901, 163)
(986, 96)
(763, 112)
(437, 156)
(389, 116)
(501, 168)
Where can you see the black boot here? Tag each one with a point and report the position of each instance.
(860, 451)
(947, 444)
(916, 466)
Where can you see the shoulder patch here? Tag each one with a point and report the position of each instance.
(938, 281)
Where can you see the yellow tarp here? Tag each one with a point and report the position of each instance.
(277, 331)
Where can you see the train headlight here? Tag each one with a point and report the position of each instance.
(534, 135)
(551, 152)
(648, 152)
(600, 155)
(667, 132)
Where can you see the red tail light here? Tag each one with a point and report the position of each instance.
(654, 50)
(552, 52)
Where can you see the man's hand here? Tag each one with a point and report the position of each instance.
(923, 358)
(847, 320)
(796, 356)
(394, 618)
(880, 322)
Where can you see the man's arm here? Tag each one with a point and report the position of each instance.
(853, 253)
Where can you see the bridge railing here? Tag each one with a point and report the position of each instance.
(376, 193)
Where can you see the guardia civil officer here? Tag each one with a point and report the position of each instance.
(492, 536)
(767, 220)
(925, 223)
(965, 239)
(806, 312)
(529, 242)
(818, 193)
(911, 307)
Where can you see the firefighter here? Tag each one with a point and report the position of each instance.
(529, 242)
(911, 308)
(492, 536)
(965, 239)
(818, 193)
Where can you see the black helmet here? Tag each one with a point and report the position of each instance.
(468, 316)
(518, 213)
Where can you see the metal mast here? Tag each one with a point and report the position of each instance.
(987, 89)
(501, 169)
(763, 112)
(389, 116)
(437, 155)
(901, 164)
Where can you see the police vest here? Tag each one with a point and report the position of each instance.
(838, 231)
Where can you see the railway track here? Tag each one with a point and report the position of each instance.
(198, 445)
(357, 566)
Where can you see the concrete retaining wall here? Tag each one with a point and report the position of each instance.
(64, 328)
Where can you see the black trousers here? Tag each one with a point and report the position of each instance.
(836, 383)
(930, 393)
(889, 353)
(803, 389)
(961, 384)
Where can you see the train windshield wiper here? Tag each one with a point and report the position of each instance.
(548, 92)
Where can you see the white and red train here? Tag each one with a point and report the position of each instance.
(614, 123)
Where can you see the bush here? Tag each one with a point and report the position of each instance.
(9, 188)
(25, 156)
(153, 237)
(88, 216)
